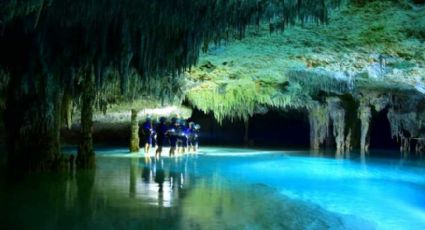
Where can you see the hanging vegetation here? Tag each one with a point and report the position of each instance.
(239, 99)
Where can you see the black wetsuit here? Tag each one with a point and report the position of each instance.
(161, 130)
(193, 137)
(148, 132)
(173, 135)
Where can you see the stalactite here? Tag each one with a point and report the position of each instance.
(364, 114)
(404, 126)
(337, 116)
(420, 146)
(348, 146)
(134, 139)
(154, 38)
(319, 123)
(405, 145)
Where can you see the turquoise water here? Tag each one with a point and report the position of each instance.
(222, 188)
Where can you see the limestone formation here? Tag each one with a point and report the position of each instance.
(106, 57)
(319, 125)
(364, 114)
(85, 157)
(134, 139)
(337, 116)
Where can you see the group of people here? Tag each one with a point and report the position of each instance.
(181, 136)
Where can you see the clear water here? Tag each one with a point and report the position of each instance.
(221, 189)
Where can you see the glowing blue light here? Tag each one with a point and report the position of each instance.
(389, 194)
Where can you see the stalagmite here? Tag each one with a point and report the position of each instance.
(337, 116)
(319, 122)
(85, 157)
(134, 142)
(364, 114)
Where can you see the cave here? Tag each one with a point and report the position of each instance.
(380, 132)
(212, 114)
(289, 129)
(228, 133)
(273, 129)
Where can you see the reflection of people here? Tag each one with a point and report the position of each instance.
(175, 175)
(159, 175)
(193, 133)
(161, 130)
(148, 133)
(146, 172)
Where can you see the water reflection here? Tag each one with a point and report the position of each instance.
(268, 191)
(161, 181)
(331, 153)
(86, 197)
(134, 172)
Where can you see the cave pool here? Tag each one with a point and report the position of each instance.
(221, 188)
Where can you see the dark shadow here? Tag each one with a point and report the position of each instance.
(213, 133)
(380, 132)
(280, 129)
(273, 129)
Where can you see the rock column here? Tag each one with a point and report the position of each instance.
(135, 140)
(337, 116)
(85, 156)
